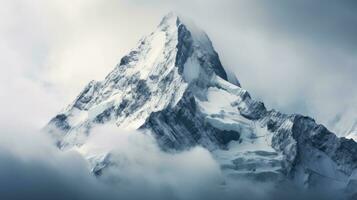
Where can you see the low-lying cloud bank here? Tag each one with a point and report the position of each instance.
(32, 168)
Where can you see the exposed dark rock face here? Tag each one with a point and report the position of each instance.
(183, 127)
(60, 121)
(341, 150)
(214, 62)
(105, 116)
(87, 95)
(184, 46)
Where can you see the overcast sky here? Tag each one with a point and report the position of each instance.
(296, 56)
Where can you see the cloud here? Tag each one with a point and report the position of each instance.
(296, 57)
(307, 46)
(38, 170)
(141, 165)
(31, 168)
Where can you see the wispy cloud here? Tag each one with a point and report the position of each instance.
(295, 56)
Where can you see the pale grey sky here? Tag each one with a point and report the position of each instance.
(296, 56)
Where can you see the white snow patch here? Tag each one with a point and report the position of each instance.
(155, 54)
(222, 114)
(77, 116)
(98, 109)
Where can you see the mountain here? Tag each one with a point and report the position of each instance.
(352, 132)
(174, 86)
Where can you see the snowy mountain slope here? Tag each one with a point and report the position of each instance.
(174, 85)
(152, 74)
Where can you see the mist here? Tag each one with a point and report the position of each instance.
(297, 57)
(38, 170)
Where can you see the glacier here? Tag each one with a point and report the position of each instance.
(174, 87)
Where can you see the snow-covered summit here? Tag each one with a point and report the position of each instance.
(148, 79)
(174, 85)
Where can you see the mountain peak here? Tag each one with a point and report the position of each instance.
(194, 43)
(153, 76)
(174, 86)
(191, 45)
(171, 18)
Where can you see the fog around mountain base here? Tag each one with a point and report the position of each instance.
(35, 169)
